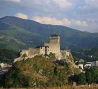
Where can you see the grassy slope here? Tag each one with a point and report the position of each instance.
(11, 43)
(10, 33)
(38, 71)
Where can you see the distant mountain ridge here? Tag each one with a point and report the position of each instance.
(32, 34)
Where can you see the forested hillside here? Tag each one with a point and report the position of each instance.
(7, 56)
(88, 54)
(29, 33)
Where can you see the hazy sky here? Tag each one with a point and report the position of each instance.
(78, 14)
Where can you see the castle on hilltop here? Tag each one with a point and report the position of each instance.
(52, 47)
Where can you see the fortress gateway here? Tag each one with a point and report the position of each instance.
(52, 47)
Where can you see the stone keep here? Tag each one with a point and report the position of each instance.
(53, 46)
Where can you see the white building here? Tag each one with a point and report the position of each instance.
(94, 63)
(80, 65)
(3, 65)
(88, 64)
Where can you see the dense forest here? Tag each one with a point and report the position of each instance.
(7, 56)
(88, 54)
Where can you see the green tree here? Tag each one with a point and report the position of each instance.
(81, 79)
(51, 54)
(76, 59)
(89, 77)
(92, 75)
(15, 78)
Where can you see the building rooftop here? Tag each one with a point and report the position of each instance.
(54, 35)
(40, 46)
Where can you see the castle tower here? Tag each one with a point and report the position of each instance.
(54, 38)
(54, 44)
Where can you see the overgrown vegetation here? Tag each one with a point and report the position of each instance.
(37, 71)
(90, 76)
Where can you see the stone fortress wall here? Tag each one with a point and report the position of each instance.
(53, 46)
